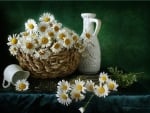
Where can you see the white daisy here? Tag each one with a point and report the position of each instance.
(82, 109)
(63, 98)
(56, 48)
(77, 95)
(47, 17)
(45, 41)
(101, 90)
(31, 26)
(42, 54)
(57, 27)
(112, 85)
(87, 36)
(79, 86)
(42, 27)
(80, 47)
(90, 85)
(63, 86)
(61, 35)
(22, 85)
(68, 43)
(51, 33)
(28, 46)
(13, 40)
(24, 34)
(103, 77)
(75, 37)
(13, 50)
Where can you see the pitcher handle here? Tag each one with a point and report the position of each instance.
(98, 25)
(5, 86)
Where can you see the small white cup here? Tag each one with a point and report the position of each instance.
(12, 73)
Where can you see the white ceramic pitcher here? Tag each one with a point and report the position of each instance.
(91, 58)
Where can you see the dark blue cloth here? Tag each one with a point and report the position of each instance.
(13, 102)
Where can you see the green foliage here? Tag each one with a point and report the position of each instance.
(122, 78)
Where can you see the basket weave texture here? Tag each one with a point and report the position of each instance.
(57, 65)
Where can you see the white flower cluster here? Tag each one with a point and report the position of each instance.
(67, 92)
(42, 39)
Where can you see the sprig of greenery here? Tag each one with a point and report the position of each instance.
(122, 78)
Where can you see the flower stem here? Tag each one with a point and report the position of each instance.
(85, 106)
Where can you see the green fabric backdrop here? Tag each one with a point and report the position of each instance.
(124, 36)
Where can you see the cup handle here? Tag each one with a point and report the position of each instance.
(98, 25)
(5, 86)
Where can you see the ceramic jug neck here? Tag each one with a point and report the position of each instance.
(87, 25)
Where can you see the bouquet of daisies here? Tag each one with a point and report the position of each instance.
(68, 93)
(44, 38)
(43, 46)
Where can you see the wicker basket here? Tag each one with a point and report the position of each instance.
(57, 65)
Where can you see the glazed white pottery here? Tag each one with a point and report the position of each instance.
(12, 73)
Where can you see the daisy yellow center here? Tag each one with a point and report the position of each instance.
(51, 34)
(67, 42)
(29, 45)
(61, 36)
(77, 95)
(77, 45)
(64, 87)
(42, 28)
(22, 86)
(79, 87)
(104, 78)
(41, 52)
(90, 87)
(46, 19)
(88, 35)
(31, 26)
(111, 86)
(44, 40)
(56, 46)
(75, 38)
(64, 96)
(25, 34)
(14, 41)
(101, 90)
(56, 28)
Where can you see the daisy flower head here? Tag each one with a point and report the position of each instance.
(42, 27)
(77, 95)
(79, 86)
(13, 40)
(22, 85)
(63, 98)
(112, 85)
(87, 36)
(47, 17)
(56, 47)
(79, 46)
(75, 37)
(68, 43)
(51, 33)
(45, 41)
(90, 85)
(103, 77)
(63, 86)
(28, 46)
(13, 50)
(82, 109)
(62, 34)
(31, 26)
(101, 90)
(57, 27)
(24, 34)
(42, 54)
